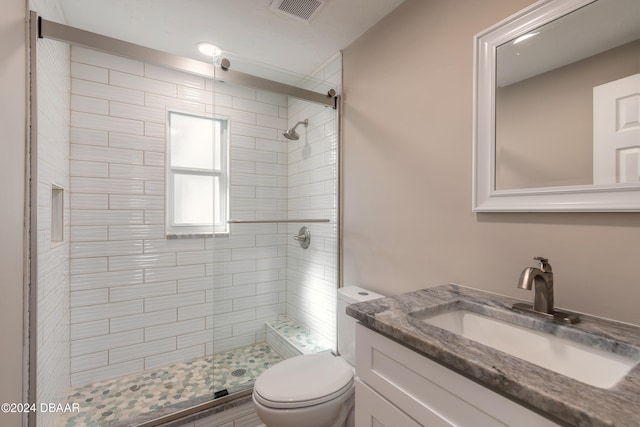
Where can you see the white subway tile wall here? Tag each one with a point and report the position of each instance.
(53, 257)
(139, 300)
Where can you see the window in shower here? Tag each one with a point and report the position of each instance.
(197, 174)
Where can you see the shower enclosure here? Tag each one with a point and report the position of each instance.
(184, 244)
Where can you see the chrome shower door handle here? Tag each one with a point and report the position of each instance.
(303, 237)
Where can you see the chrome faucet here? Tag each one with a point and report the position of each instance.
(541, 279)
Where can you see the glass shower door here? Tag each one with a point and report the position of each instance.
(275, 272)
(125, 302)
(169, 275)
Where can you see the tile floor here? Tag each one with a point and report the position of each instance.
(132, 398)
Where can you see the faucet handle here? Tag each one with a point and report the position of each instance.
(544, 264)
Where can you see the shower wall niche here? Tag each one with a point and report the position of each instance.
(52, 263)
(140, 300)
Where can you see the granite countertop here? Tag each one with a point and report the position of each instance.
(563, 398)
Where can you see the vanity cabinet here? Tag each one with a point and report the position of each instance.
(398, 387)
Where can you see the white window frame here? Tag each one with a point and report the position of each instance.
(176, 230)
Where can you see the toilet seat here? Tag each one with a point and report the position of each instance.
(304, 381)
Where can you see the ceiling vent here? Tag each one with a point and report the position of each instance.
(300, 9)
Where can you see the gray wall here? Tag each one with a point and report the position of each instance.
(12, 143)
(407, 176)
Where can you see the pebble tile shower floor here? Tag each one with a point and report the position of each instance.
(136, 397)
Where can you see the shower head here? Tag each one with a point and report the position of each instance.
(292, 134)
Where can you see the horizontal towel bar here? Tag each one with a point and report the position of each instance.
(275, 221)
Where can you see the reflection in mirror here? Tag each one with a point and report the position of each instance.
(567, 100)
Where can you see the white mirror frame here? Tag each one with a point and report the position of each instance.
(587, 198)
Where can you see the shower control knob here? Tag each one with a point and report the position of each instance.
(303, 237)
(225, 64)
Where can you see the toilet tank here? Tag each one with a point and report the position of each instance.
(347, 324)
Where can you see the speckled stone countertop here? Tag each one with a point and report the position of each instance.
(564, 399)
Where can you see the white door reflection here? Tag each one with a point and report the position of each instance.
(616, 131)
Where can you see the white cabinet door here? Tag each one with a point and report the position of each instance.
(430, 393)
(372, 410)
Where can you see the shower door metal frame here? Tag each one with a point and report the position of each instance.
(74, 36)
(41, 28)
(31, 312)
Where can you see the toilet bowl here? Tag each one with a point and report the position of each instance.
(314, 390)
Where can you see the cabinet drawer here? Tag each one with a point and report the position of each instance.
(425, 389)
(372, 410)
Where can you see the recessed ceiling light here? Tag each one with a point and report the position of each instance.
(524, 37)
(208, 49)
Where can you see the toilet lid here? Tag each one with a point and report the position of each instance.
(304, 381)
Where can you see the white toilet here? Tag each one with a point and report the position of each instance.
(314, 390)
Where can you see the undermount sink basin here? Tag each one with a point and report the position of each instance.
(590, 365)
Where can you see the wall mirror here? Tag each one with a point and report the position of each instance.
(557, 109)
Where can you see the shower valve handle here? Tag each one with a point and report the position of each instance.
(303, 237)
